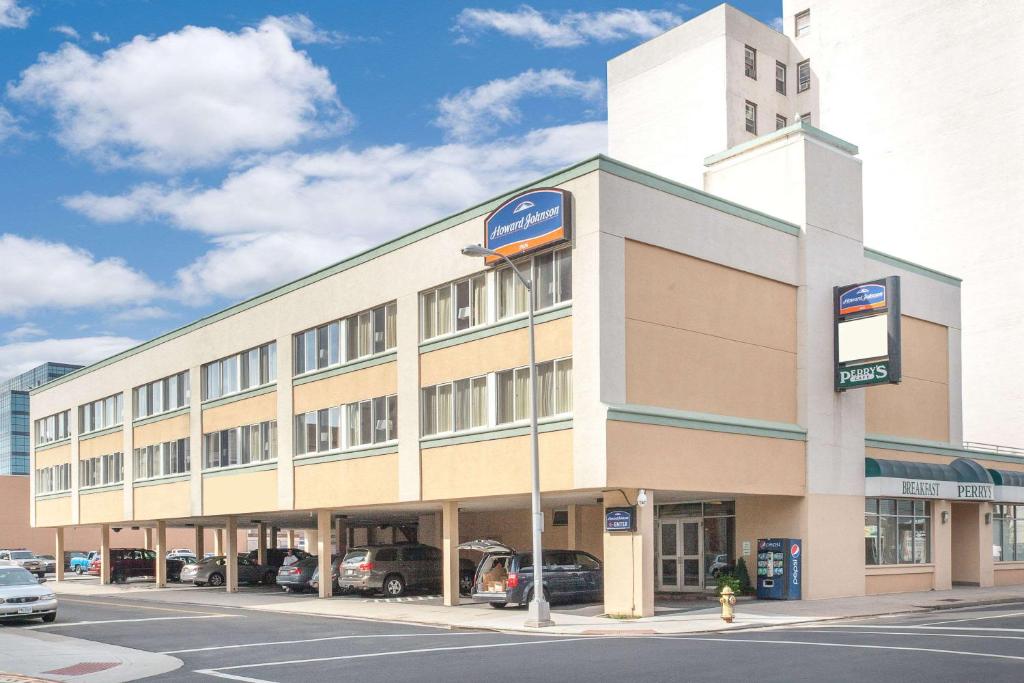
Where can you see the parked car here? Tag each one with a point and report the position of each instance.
(314, 581)
(275, 556)
(22, 596)
(719, 565)
(70, 555)
(180, 551)
(391, 569)
(184, 558)
(294, 578)
(127, 563)
(213, 571)
(81, 565)
(25, 559)
(505, 576)
(49, 563)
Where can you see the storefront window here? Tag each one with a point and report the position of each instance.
(897, 531)
(1008, 533)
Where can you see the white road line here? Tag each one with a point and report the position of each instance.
(907, 626)
(987, 636)
(990, 616)
(841, 645)
(320, 640)
(129, 621)
(219, 674)
(393, 653)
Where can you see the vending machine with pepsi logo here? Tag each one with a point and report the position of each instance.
(779, 568)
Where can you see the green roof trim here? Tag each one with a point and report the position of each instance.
(892, 443)
(351, 454)
(897, 262)
(685, 419)
(599, 162)
(798, 127)
(239, 396)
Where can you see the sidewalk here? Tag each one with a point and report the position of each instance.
(749, 614)
(42, 656)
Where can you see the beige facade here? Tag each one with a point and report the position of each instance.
(689, 355)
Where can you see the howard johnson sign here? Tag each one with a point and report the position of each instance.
(529, 221)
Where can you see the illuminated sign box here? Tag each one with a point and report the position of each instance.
(529, 221)
(866, 320)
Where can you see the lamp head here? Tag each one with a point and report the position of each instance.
(477, 250)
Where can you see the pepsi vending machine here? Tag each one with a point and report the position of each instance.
(779, 568)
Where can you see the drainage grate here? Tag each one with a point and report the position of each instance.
(83, 668)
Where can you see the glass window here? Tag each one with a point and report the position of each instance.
(334, 343)
(428, 423)
(750, 62)
(444, 408)
(334, 427)
(780, 78)
(897, 531)
(803, 76)
(544, 280)
(511, 294)
(802, 23)
(242, 445)
(750, 117)
(1008, 533)
(780, 121)
(101, 414)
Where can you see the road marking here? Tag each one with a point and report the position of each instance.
(129, 621)
(233, 677)
(78, 601)
(991, 616)
(392, 653)
(927, 628)
(986, 636)
(326, 638)
(842, 645)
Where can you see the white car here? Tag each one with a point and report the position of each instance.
(22, 596)
(180, 551)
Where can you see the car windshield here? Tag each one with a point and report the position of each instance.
(16, 576)
(355, 557)
(21, 555)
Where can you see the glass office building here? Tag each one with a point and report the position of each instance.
(14, 422)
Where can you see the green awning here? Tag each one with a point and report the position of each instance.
(960, 470)
(1007, 477)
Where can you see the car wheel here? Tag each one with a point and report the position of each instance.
(498, 605)
(119, 577)
(466, 585)
(198, 583)
(50, 618)
(216, 580)
(394, 585)
(79, 570)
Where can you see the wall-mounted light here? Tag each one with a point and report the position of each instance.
(988, 518)
(945, 516)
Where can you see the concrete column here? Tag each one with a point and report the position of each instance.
(161, 554)
(942, 545)
(291, 538)
(629, 560)
(58, 543)
(200, 541)
(274, 533)
(572, 540)
(261, 543)
(312, 539)
(218, 541)
(323, 551)
(147, 538)
(341, 535)
(231, 554)
(104, 551)
(450, 551)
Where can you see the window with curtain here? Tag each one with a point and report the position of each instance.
(362, 334)
(455, 406)
(453, 307)
(161, 396)
(342, 427)
(53, 428)
(249, 369)
(100, 414)
(161, 460)
(551, 274)
(897, 531)
(1008, 533)
(554, 391)
(242, 445)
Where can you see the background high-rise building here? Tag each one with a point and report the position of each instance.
(929, 91)
(15, 430)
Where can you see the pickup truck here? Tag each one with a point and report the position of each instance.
(80, 565)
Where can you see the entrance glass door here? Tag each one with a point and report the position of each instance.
(680, 557)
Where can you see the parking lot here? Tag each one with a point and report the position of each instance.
(256, 645)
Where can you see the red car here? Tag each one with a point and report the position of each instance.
(126, 563)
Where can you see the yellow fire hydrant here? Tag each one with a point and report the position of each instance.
(727, 600)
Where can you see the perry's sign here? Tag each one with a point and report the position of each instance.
(928, 488)
(867, 297)
(866, 333)
(529, 221)
(861, 375)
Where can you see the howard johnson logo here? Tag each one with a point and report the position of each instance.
(862, 298)
(525, 223)
(523, 206)
(528, 222)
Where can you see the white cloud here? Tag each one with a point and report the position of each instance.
(69, 31)
(194, 97)
(565, 29)
(18, 357)
(290, 213)
(777, 24)
(13, 16)
(473, 113)
(140, 313)
(8, 125)
(38, 274)
(301, 29)
(98, 37)
(26, 331)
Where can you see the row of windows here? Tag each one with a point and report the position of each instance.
(367, 422)
(53, 428)
(465, 404)
(1008, 533)
(162, 459)
(464, 304)
(101, 414)
(897, 531)
(240, 445)
(803, 71)
(101, 470)
(54, 478)
(750, 118)
(363, 334)
(241, 371)
(161, 396)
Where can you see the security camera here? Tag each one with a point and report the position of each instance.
(641, 497)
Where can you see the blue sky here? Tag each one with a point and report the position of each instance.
(162, 160)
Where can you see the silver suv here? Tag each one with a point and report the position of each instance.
(25, 559)
(391, 569)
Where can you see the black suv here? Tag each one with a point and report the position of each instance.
(505, 576)
(275, 556)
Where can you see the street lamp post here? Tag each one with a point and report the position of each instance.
(540, 611)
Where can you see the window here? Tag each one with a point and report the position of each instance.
(802, 24)
(101, 470)
(560, 518)
(53, 428)
(750, 62)
(803, 76)
(780, 78)
(805, 118)
(751, 117)
(552, 278)
(554, 392)
(455, 406)
(100, 414)
(1008, 533)
(161, 396)
(453, 307)
(161, 460)
(359, 335)
(249, 369)
(365, 423)
(53, 479)
(897, 531)
(780, 121)
(240, 445)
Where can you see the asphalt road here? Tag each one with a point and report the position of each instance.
(975, 644)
